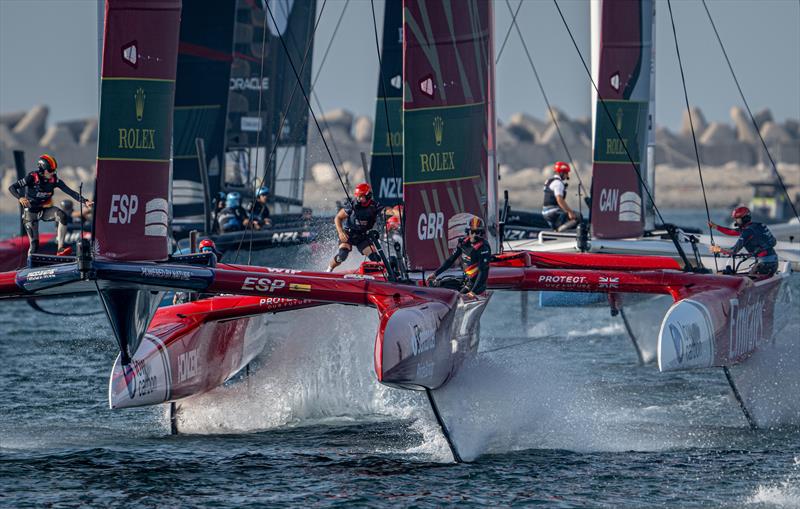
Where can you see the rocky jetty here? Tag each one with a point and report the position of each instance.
(527, 147)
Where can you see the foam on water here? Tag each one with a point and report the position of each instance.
(785, 493)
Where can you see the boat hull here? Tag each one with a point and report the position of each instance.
(192, 348)
(423, 346)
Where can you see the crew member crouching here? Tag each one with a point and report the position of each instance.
(475, 254)
(555, 209)
(755, 238)
(353, 225)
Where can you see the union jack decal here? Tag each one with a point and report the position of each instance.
(609, 282)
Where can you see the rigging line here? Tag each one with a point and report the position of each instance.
(750, 113)
(608, 114)
(386, 114)
(691, 126)
(508, 33)
(310, 108)
(280, 127)
(547, 102)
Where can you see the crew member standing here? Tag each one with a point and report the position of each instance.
(35, 194)
(555, 209)
(353, 225)
(475, 254)
(755, 238)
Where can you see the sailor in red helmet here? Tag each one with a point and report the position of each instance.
(475, 255)
(555, 209)
(353, 225)
(208, 246)
(35, 194)
(755, 238)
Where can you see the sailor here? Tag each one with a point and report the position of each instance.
(555, 209)
(219, 204)
(35, 194)
(353, 224)
(394, 236)
(475, 254)
(260, 214)
(205, 246)
(208, 246)
(233, 217)
(755, 238)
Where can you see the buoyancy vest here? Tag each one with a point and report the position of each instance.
(361, 219)
(40, 194)
(758, 240)
(549, 195)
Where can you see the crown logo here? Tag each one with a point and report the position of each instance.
(438, 130)
(139, 99)
(619, 119)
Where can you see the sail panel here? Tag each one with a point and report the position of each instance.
(205, 54)
(446, 110)
(386, 167)
(623, 81)
(135, 133)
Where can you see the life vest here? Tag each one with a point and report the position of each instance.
(361, 219)
(472, 255)
(549, 195)
(41, 193)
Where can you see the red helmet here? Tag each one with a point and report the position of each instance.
(561, 167)
(740, 212)
(363, 193)
(207, 245)
(47, 162)
(393, 223)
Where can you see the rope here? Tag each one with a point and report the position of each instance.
(508, 33)
(388, 126)
(308, 102)
(691, 126)
(608, 113)
(549, 107)
(750, 113)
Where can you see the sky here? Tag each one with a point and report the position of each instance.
(48, 55)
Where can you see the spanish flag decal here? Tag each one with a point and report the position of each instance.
(297, 287)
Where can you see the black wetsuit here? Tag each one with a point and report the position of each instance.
(475, 260)
(360, 220)
(39, 192)
(260, 213)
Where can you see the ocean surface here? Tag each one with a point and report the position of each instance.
(556, 413)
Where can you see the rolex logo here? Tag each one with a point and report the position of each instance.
(139, 98)
(438, 129)
(619, 119)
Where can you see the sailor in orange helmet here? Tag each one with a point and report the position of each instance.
(755, 238)
(475, 254)
(353, 225)
(555, 209)
(35, 194)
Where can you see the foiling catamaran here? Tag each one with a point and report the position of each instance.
(424, 334)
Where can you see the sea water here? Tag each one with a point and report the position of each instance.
(555, 412)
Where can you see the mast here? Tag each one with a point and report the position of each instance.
(492, 213)
(650, 174)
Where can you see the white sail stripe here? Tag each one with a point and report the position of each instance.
(156, 216)
(156, 230)
(157, 204)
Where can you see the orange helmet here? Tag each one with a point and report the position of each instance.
(561, 167)
(363, 193)
(207, 245)
(393, 223)
(477, 225)
(47, 162)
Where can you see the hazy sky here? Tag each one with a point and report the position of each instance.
(48, 54)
